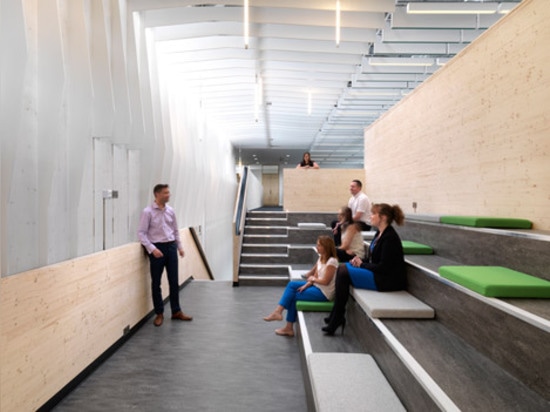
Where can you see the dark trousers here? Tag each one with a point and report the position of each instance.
(157, 265)
(341, 295)
(364, 227)
(343, 256)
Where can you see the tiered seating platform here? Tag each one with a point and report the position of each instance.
(474, 352)
(462, 350)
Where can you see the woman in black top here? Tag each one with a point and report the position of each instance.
(307, 163)
(383, 270)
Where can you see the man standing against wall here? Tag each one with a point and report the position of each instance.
(158, 233)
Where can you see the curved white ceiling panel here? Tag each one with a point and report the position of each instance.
(293, 88)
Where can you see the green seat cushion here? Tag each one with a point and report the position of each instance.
(307, 306)
(484, 221)
(497, 281)
(414, 248)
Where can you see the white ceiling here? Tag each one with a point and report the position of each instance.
(292, 57)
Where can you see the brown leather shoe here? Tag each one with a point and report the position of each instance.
(158, 319)
(181, 316)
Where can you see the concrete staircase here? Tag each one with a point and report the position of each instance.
(274, 245)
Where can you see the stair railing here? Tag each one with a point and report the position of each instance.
(239, 219)
(202, 255)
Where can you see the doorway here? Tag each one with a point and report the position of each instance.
(270, 183)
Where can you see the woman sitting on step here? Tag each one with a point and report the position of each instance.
(319, 286)
(352, 240)
(383, 270)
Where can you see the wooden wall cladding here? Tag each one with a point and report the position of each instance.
(474, 138)
(318, 190)
(56, 320)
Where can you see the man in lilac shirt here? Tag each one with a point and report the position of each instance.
(158, 233)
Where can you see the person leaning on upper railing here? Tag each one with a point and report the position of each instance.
(307, 163)
(352, 241)
(383, 270)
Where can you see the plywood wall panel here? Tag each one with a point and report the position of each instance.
(318, 190)
(474, 138)
(58, 319)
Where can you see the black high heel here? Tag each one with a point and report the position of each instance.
(333, 327)
(327, 320)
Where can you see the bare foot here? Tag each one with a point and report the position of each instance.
(273, 316)
(284, 332)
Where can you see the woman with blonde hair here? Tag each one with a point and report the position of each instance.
(319, 286)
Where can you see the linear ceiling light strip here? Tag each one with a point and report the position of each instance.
(338, 23)
(452, 8)
(246, 24)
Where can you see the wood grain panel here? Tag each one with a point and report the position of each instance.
(58, 319)
(474, 138)
(318, 190)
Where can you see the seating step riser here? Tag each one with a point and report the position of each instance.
(294, 256)
(308, 217)
(477, 247)
(413, 396)
(267, 270)
(267, 215)
(265, 259)
(294, 236)
(303, 256)
(265, 230)
(266, 222)
(265, 239)
(519, 343)
(262, 282)
(306, 237)
(264, 249)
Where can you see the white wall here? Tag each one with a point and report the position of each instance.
(82, 110)
(255, 190)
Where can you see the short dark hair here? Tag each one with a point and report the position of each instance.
(159, 188)
(358, 183)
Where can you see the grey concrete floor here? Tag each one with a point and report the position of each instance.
(226, 359)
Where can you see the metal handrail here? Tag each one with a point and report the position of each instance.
(201, 252)
(240, 202)
(240, 207)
